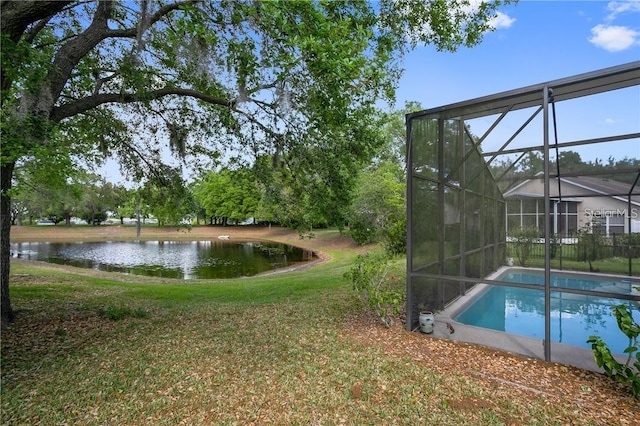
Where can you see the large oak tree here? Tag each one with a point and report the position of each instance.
(280, 78)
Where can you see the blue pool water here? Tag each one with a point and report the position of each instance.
(573, 317)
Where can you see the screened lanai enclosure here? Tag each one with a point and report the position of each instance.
(541, 181)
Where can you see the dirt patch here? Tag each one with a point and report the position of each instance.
(472, 404)
(128, 233)
(330, 240)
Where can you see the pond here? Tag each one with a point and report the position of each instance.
(169, 259)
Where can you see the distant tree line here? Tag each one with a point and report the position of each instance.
(569, 162)
(372, 198)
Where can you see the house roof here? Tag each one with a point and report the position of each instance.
(589, 186)
(604, 186)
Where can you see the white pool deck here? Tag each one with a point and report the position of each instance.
(521, 345)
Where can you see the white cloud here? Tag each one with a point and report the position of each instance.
(614, 38)
(617, 7)
(502, 20)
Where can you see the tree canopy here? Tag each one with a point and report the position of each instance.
(227, 79)
(228, 194)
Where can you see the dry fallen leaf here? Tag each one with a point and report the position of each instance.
(356, 391)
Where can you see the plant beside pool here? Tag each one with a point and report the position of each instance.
(629, 372)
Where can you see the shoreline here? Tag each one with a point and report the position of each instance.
(320, 245)
(63, 233)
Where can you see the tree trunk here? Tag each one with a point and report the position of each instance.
(138, 219)
(6, 174)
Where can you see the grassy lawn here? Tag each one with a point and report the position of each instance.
(612, 265)
(291, 348)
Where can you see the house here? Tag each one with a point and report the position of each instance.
(578, 203)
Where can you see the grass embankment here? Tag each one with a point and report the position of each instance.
(278, 349)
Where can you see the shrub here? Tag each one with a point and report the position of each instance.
(373, 283)
(626, 245)
(395, 237)
(525, 238)
(362, 233)
(553, 248)
(630, 371)
(591, 246)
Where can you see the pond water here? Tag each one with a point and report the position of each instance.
(169, 259)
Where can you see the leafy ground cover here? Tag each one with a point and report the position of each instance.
(294, 348)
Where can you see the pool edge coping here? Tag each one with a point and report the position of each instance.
(513, 343)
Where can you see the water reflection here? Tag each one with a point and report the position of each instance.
(170, 259)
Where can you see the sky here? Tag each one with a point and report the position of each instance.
(535, 42)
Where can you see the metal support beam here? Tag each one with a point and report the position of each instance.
(547, 229)
(409, 196)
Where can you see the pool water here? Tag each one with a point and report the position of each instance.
(573, 317)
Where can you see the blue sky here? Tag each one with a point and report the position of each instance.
(535, 42)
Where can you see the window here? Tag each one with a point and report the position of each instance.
(525, 213)
(608, 224)
(564, 217)
(615, 224)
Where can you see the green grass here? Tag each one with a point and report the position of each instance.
(262, 350)
(613, 265)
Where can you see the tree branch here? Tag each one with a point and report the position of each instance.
(70, 109)
(101, 81)
(72, 52)
(16, 16)
(143, 158)
(163, 11)
(257, 123)
(30, 35)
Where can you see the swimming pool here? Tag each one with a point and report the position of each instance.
(573, 317)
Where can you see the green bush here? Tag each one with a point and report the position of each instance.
(629, 372)
(362, 233)
(626, 245)
(395, 237)
(524, 238)
(591, 246)
(553, 247)
(373, 283)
